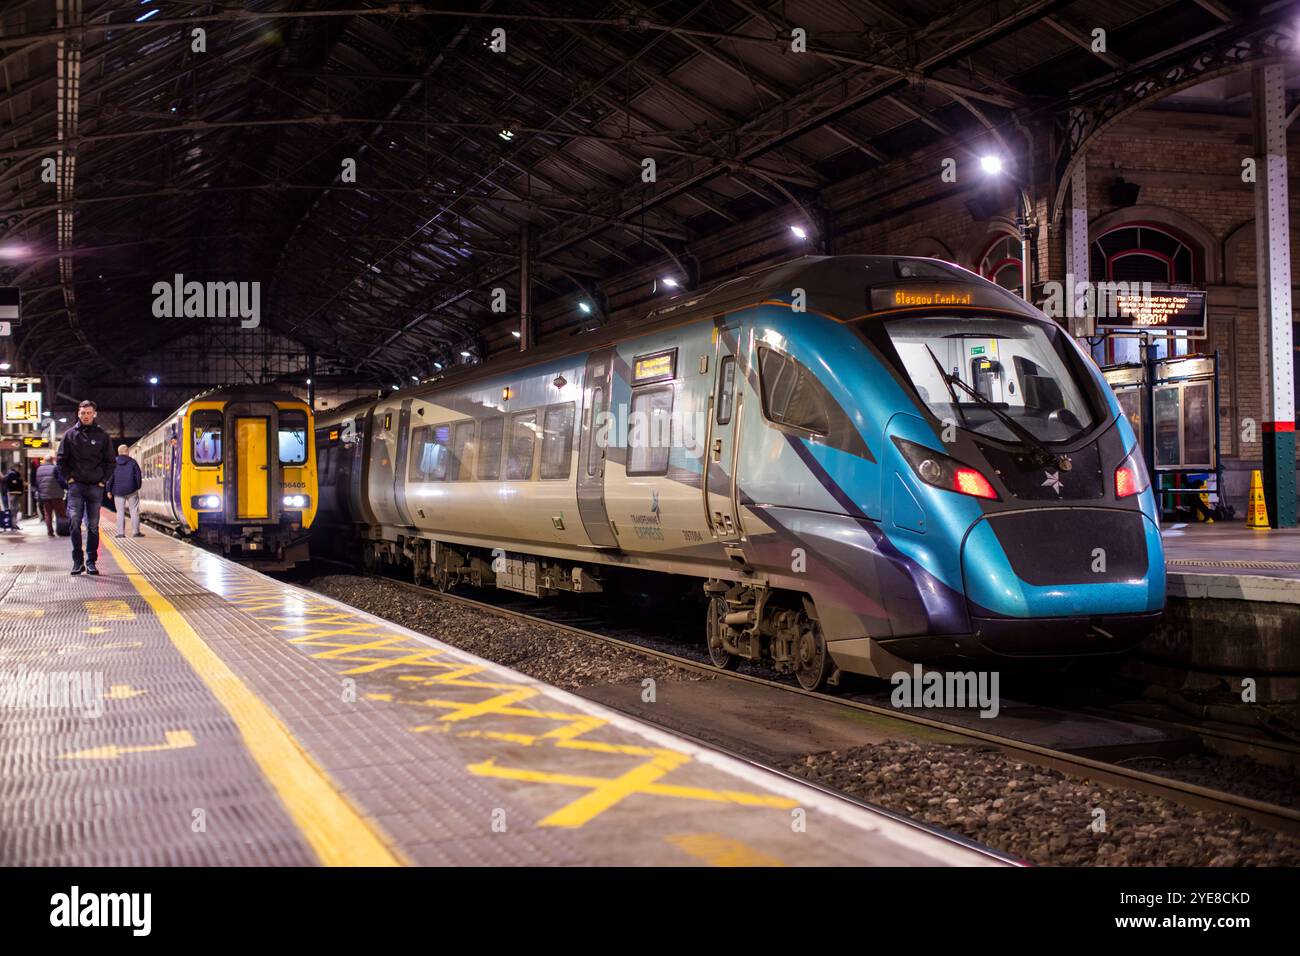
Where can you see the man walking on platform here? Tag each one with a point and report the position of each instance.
(13, 494)
(50, 489)
(124, 489)
(86, 460)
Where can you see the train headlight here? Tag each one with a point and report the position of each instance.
(206, 502)
(947, 473)
(930, 471)
(1131, 476)
(295, 501)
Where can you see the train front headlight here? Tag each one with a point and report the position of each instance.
(206, 502)
(941, 471)
(295, 501)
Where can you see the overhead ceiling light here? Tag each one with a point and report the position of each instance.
(438, 366)
(799, 231)
(397, 388)
(515, 333)
(464, 354)
(12, 252)
(415, 378)
(584, 307)
(63, 421)
(153, 379)
(308, 381)
(669, 281)
(4, 366)
(507, 135)
(991, 164)
(147, 15)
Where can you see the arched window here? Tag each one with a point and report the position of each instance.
(1143, 252)
(1001, 263)
(1139, 252)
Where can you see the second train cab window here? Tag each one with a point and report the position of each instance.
(523, 439)
(205, 430)
(792, 396)
(293, 437)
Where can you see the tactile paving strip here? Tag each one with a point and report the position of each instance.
(159, 778)
(1233, 563)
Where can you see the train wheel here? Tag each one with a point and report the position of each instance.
(718, 653)
(812, 662)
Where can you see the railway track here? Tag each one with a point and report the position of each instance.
(1279, 818)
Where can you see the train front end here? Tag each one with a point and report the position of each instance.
(251, 477)
(1014, 479)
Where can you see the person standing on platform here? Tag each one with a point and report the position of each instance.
(50, 489)
(86, 460)
(13, 491)
(124, 489)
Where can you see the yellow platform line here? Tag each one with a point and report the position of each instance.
(331, 825)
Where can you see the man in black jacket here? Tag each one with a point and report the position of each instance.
(86, 460)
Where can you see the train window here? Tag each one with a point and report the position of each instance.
(489, 458)
(523, 439)
(726, 389)
(792, 396)
(595, 448)
(459, 445)
(293, 437)
(649, 436)
(557, 438)
(205, 437)
(429, 453)
(1021, 367)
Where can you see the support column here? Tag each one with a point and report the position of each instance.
(1273, 271)
(1082, 322)
(525, 286)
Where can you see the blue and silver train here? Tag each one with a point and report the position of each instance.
(865, 461)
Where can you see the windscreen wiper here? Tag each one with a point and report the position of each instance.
(947, 381)
(1044, 454)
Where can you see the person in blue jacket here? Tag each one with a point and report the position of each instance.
(123, 489)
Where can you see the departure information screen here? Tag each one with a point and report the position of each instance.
(1151, 309)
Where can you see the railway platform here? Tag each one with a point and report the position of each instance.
(1233, 611)
(182, 709)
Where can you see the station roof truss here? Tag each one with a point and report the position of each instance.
(228, 159)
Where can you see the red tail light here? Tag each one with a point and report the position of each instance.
(1130, 476)
(970, 482)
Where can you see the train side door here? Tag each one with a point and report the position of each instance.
(399, 466)
(597, 381)
(722, 454)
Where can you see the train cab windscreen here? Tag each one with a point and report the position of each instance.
(206, 437)
(978, 372)
(293, 437)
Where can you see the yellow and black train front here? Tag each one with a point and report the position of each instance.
(235, 468)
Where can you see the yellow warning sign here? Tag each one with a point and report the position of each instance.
(1257, 512)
